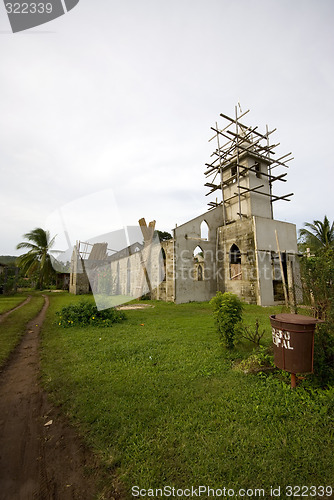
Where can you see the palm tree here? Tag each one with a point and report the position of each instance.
(319, 235)
(37, 259)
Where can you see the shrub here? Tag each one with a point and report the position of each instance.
(323, 362)
(227, 309)
(253, 335)
(317, 274)
(85, 314)
(259, 361)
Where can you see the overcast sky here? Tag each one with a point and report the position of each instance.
(109, 107)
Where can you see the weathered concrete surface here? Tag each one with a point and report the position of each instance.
(240, 233)
(193, 276)
(187, 238)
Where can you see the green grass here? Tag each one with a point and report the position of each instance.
(156, 398)
(9, 302)
(13, 327)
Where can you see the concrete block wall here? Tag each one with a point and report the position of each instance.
(266, 246)
(165, 290)
(79, 283)
(187, 237)
(240, 233)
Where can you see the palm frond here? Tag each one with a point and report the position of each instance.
(319, 234)
(37, 258)
(25, 244)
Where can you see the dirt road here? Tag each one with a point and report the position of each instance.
(4, 315)
(41, 456)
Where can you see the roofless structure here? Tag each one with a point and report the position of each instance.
(236, 246)
(246, 250)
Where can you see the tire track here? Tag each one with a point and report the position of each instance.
(38, 461)
(7, 313)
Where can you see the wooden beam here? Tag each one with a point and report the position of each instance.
(282, 272)
(243, 114)
(264, 158)
(147, 233)
(282, 197)
(278, 178)
(248, 190)
(233, 120)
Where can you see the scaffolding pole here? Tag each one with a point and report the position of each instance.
(241, 141)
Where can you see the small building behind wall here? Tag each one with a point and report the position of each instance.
(85, 257)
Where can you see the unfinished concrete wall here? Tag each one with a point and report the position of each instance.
(79, 283)
(239, 257)
(187, 237)
(129, 273)
(136, 273)
(239, 278)
(251, 203)
(267, 254)
(165, 290)
(126, 276)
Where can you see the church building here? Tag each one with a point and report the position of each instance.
(236, 246)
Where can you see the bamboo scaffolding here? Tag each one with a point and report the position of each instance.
(145, 253)
(243, 114)
(241, 140)
(221, 178)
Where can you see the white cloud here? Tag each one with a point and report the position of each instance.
(122, 96)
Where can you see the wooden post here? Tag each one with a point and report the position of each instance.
(282, 271)
(291, 287)
(293, 381)
(148, 233)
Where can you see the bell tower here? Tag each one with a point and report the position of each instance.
(242, 170)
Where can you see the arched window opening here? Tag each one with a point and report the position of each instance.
(128, 277)
(198, 256)
(235, 255)
(205, 231)
(163, 265)
(234, 172)
(258, 170)
(235, 263)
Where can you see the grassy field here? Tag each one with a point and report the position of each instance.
(11, 301)
(13, 327)
(157, 398)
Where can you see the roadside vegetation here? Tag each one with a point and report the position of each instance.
(158, 399)
(38, 258)
(14, 325)
(9, 302)
(317, 267)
